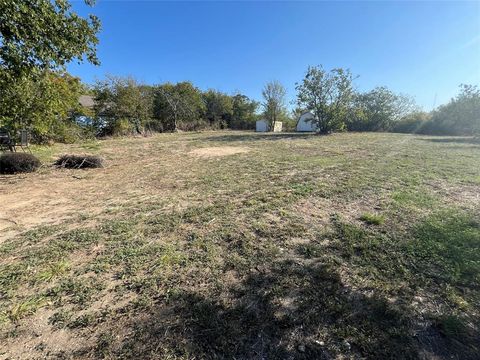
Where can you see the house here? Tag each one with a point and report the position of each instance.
(306, 122)
(86, 101)
(261, 126)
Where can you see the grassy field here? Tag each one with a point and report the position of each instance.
(236, 245)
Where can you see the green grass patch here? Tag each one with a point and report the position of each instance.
(372, 219)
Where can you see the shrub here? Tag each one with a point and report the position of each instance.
(79, 161)
(11, 163)
(413, 123)
(122, 127)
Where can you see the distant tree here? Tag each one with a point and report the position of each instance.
(178, 106)
(327, 95)
(411, 123)
(218, 108)
(461, 116)
(378, 110)
(244, 112)
(123, 103)
(46, 105)
(41, 34)
(273, 102)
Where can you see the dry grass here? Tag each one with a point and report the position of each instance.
(243, 245)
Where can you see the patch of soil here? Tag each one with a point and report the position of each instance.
(217, 151)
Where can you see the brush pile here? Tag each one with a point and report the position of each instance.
(79, 162)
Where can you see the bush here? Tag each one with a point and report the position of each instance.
(11, 163)
(414, 123)
(122, 127)
(79, 161)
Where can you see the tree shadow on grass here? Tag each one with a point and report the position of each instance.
(254, 136)
(290, 311)
(456, 140)
(299, 308)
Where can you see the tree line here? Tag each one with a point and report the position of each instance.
(38, 38)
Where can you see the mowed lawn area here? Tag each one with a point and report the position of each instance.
(237, 245)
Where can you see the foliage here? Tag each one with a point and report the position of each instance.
(412, 123)
(39, 34)
(378, 110)
(461, 116)
(46, 104)
(327, 95)
(243, 112)
(12, 163)
(122, 105)
(274, 102)
(178, 106)
(79, 161)
(218, 108)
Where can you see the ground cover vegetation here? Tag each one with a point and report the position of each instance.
(242, 245)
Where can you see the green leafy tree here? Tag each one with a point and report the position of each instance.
(46, 105)
(179, 106)
(43, 34)
(37, 39)
(244, 112)
(123, 104)
(412, 123)
(378, 110)
(461, 116)
(327, 95)
(274, 108)
(218, 108)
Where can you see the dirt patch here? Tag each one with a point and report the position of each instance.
(217, 151)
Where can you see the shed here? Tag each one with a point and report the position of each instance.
(261, 126)
(278, 126)
(306, 122)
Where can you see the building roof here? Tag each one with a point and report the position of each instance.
(86, 101)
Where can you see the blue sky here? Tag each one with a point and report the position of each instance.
(425, 49)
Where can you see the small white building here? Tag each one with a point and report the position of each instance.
(261, 126)
(278, 126)
(306, 122)
(264, 126)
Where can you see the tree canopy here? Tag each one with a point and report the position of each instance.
(328, 95)
(43, 34)
(378, 110)
(274, 94)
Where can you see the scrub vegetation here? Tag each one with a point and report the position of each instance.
(353, 245)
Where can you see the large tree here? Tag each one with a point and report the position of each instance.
(328, 95)
(46, 105)
(37, 39)
(123, 103)
(244, 112)
(44, 34)
(461, 116)
(218, 108)
(378, 110)
(273, 104)
(178, 106)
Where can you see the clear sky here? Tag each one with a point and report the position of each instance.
(425, 49)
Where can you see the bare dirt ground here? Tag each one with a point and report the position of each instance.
(220, 151)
